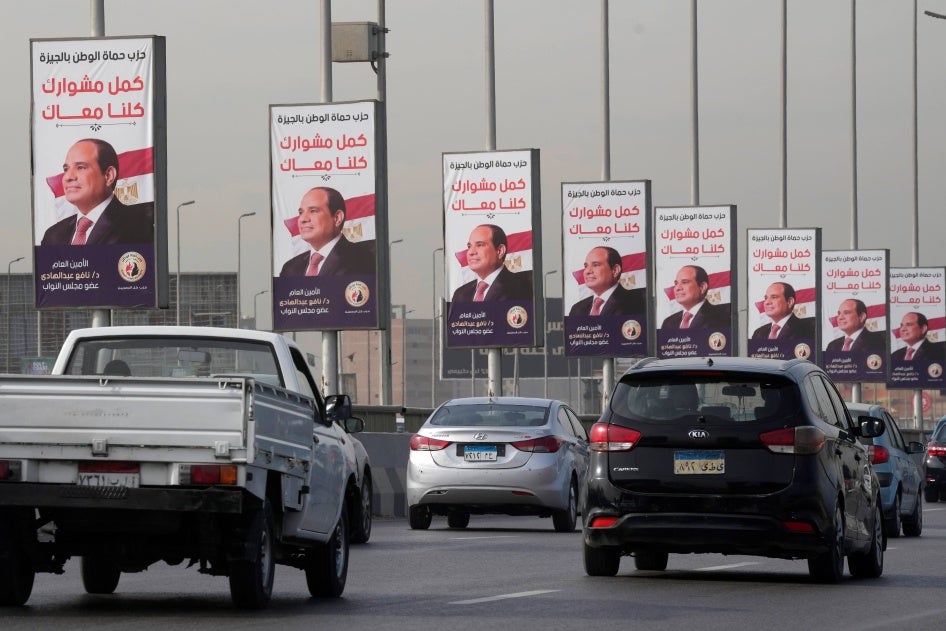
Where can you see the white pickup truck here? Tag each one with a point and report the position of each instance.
(151, 443)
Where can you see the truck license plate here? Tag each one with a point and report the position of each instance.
(108, 473)
(699, 462)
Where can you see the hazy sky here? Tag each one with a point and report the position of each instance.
(228, 60)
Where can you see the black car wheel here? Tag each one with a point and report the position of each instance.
(458, 520)
(931, 494)
(362, 526)
(326, 568)
(603, 561)
(419, 517)
(828, 567)
(100, 575)
(871, 563)
(651, 560)
(913, 523)
(565, 520)
(251, 579)
(894, 523)
(16, 575)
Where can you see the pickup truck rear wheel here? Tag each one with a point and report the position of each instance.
(100, 574)
(16, 574)
(326, 568)
(251, 579)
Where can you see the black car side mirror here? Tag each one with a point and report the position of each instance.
(870, 427)
(338, 407)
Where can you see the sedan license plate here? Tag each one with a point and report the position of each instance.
(699, 462)
(479, 453)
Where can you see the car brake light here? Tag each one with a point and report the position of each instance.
(607, 437)
(936, 450)
(878, 454)
(798, 526)
(208, 474)
(799, 441)
(605, 521)
(10, 470)
(425, 443)
(542, 445)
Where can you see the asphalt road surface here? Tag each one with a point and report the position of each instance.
(517, 574)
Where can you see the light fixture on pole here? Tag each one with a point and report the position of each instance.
(177, 297)
(9, 302)
(255, 296)
(545, 348)
(239, 291)
(434, 328)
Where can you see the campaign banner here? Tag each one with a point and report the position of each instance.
(605, 266)
(917, 327)
(694, 259)
(328, 217)
(97, 130)
(492, 245)
(854, 316)
(784, 268)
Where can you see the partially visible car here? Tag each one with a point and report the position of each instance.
(934, 466)
(497, 455)
(359, 499)
(901, 481)
(733, 456)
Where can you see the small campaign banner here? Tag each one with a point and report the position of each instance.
(917, 327)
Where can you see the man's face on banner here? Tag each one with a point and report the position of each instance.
(482, 256)
(911, 331)
(598, 275)
(317, 224)
(83, 181)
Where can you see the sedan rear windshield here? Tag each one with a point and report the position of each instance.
(727, 397)
(494, 415)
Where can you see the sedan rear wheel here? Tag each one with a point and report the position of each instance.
(871, 563)
(931, 494)
(603, 561)
(419, 517)
(565, 520)
(828, 567)
(458, 520)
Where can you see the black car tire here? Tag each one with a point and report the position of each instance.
(458, 520)
(603, 561)
(565, 520)
(894, 523)
(651, 560)
(828, 567)
(251, 579)
(16, 574)
(419, 517)
(871, 563)
(931, 494)
(100, 575)
(326, 566)
(362, 527)
(913, 523)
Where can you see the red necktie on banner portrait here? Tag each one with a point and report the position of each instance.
(82, 227)
(773, 334)
(847, 343)
(314, 261)
(910, 351)
(687, 317)
(480, 291)
(596, 306)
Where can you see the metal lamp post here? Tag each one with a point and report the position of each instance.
(239, 290)
(545, 349)
(178, 293)
(255, 296)
(433, 328)
(385, 352)
(9, 306)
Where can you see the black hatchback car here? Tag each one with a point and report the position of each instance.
(733, 456)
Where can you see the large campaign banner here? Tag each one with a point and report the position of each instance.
(855, 317)
(784, 267)
(97, 130)
(328, 217)
(605, 265)
(694, 261)
(917, 327)
(493, 255)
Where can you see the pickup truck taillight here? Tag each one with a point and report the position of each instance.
(10, 470)
(208, 474)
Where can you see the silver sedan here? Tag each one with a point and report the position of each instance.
(503, 455)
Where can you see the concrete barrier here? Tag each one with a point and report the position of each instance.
(388, 454)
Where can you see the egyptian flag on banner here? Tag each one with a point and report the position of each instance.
(135, 182)
(359, 222)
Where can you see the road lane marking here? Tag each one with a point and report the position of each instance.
(489, 599)
(726, 567)
(485, 537)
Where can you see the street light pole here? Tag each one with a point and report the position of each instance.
(178, 293)
(9, 302)
(545, 348)
(385, 351)
(434, 329)
(239, 288)
(255, 296)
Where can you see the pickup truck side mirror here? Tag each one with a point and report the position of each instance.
(338, 407)
(354, 425)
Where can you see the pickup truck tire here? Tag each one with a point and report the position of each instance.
(16, 573)
(100, 574)
(251, 580)
(326, 568)
(362, 527)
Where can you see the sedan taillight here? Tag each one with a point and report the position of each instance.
(936, 450)
(607, 437)
(798, 441)
(543, 445)
(425, 443)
